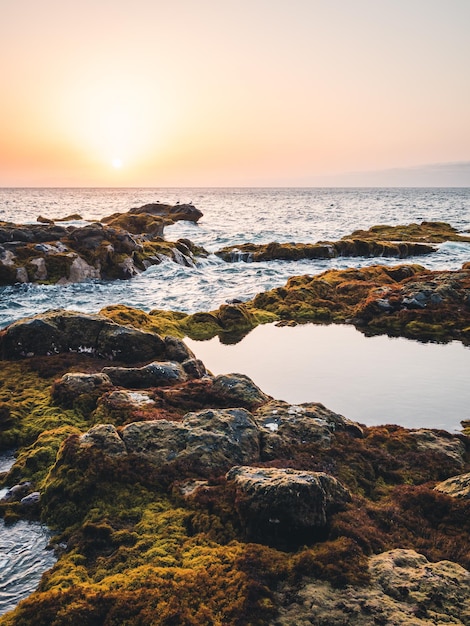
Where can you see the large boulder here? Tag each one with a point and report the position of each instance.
(175, 212)
(154, 374)
(284, 425)
(457, 486)
(238, 390)
(204, 443)
(284, 504)
(405, 589)
(60, 331)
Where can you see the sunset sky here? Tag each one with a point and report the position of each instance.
(234, 93)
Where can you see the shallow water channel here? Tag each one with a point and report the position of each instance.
(372, 380)
(23, 554)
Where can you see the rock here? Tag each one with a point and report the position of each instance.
(77, 383)
(177, 350)
(176, 212)
(457, 486)
(144, 224)
(123, 399)
(349, 246)
(438, 588)
(119, 247)
(152, 375)
(284, 425)
(441, 442)
(285, 500)
(406, 589)
(205, 442)
(31, 500)
(194, 368)
(17, 492)
(66, 331)
(104, 437)
(238, 390)
(80, 270)
(73, 385)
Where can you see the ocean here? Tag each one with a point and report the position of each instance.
(372, 380)
(231, 216)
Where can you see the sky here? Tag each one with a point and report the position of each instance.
(227, 93)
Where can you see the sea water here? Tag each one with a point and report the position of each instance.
(234, 216)
(231, 216)
(23, 554)
(377, 380)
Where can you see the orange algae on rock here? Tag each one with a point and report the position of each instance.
(148, 533)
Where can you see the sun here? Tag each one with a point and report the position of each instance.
(117, 163)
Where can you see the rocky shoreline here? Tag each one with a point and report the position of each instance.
(180, 497)
(119, 247)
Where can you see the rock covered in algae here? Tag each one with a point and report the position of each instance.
(205, 441)
(119, 247)
(456, 486)
(381, 241)
(285, 499)
(441, 443)
(285, 426)
(250, 252)
(152, 531)
(65, 331)
(151, 375)
(405, 588)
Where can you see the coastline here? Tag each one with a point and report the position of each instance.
(171, 489)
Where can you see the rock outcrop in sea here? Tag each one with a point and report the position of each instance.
(379, 241)
(120, 246)
(180, 497)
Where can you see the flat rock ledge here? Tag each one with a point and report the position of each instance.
(207, 441)
(406, 589)
(457, 486)
(379, 241)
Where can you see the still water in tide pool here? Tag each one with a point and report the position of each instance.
(23, 554)
(372, 380)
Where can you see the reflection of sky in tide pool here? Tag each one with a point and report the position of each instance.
(373, 380)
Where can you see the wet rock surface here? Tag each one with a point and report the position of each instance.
(378, 241)
(64, 331)
(119, 247)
